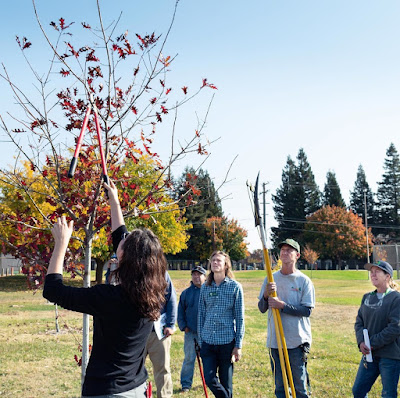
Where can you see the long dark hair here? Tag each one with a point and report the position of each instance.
(141, 272)
(228, 267)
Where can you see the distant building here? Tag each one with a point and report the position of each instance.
(9, 264)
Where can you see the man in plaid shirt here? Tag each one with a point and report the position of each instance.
(220, 325)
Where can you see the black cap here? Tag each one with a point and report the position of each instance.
(199, 269)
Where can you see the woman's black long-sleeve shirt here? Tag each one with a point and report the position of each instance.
(120, 333)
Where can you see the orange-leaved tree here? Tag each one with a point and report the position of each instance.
(224, 234)
(336, 233)
(310, 255)
(19, 207)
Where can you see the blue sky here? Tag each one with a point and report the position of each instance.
(322, 75)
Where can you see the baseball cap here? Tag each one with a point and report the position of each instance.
(200, 269)
(291, 243)
(383, 265)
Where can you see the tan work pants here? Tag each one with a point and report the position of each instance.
(159, 353)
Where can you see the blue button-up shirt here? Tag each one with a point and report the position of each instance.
(221, 313)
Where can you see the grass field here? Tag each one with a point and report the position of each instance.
(35, 361)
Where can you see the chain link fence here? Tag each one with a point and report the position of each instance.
(389, 253)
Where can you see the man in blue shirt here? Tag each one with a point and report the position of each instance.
(187, 322)
(220, 325)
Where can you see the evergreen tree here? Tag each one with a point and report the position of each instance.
(389, 194)
(357, 203)
(297, 197)
(332, 195)
(285, 205)
(311, 198)
(202, 203)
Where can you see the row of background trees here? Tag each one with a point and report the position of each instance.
(324, 222)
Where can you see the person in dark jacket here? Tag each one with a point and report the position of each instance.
(112, 265)
(123, 314)
(379, 316)
(187, 322)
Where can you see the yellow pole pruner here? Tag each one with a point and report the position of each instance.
(280, 337)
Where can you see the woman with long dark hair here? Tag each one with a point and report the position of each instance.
(123, 314)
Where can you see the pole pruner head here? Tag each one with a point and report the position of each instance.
(257, 216)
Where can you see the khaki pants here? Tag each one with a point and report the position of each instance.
(159, 353)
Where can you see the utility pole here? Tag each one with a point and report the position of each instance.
(366, 222)
(213, 240)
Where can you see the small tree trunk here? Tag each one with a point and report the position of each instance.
(56, 316)
(99, 271)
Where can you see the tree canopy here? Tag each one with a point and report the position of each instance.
(332, 195)
(388, 203)
(202, 202)
(27, 214)
(88, 68)
(336, 233)
(164, 218)
(99, 70)
(310, 255)
(360, 192)
(226, 235)
(297, 197)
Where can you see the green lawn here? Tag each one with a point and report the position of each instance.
(37, 362)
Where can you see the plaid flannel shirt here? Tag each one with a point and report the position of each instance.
(221, 313)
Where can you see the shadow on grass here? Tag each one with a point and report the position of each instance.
(19, 283)
(15, 283)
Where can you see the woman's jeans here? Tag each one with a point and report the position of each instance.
(218, 357)
(299, 372)
(189, 361)
(389, 370)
